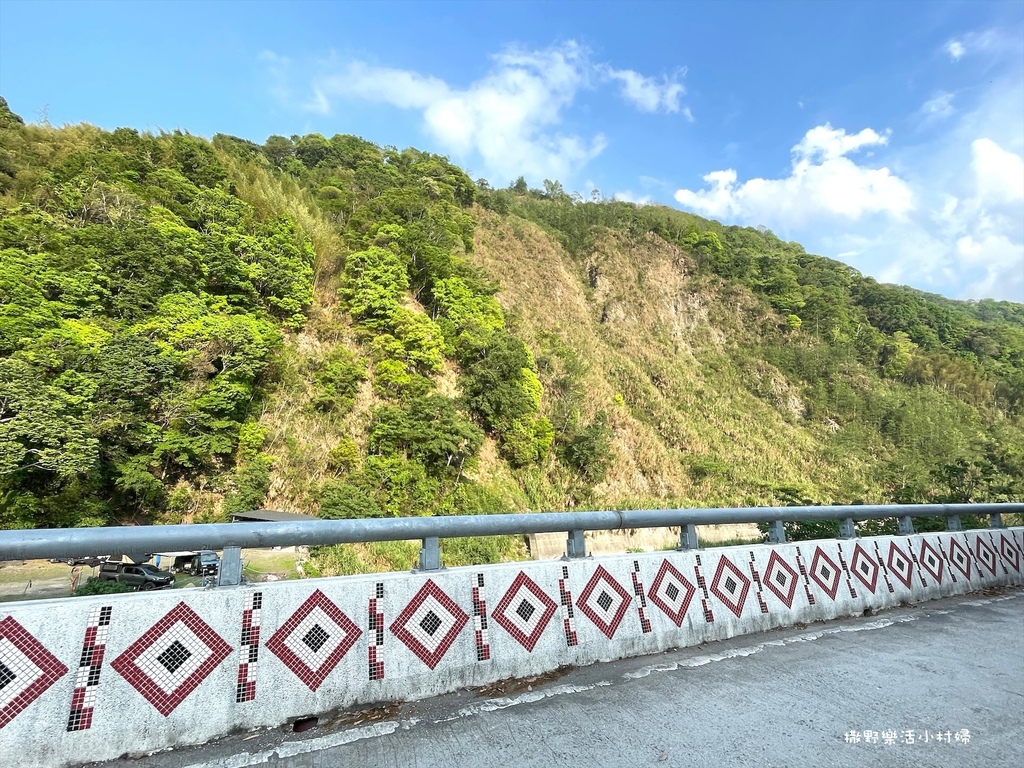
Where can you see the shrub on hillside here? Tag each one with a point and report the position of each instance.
(590, 451)
(94, 586)
(343, 501)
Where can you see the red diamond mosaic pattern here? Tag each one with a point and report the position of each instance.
(986, 556)
(781, 579)
(604, 602)
(314, 639)
(172, 658)
(524, 611)
(959, 558)
(900, 565)
(730, 586)
(825, 573)
(671, 592)
(1009, 552)
(27, 669)
(864, 568)
(931, 561)
(429, 624)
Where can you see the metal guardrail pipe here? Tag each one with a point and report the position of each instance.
(72, 542)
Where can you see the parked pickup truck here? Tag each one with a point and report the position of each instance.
(143, 576)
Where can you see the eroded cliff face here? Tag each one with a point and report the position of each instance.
(660, 352)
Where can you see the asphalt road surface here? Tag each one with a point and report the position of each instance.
(843, 693)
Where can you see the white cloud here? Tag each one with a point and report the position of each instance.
(646, 93)
(273, 58)
(999, 174)
(950, 222)
(994, 43)
(382, 84)
(277, 70)
(827, 143)
(510, 118)
(630, 197)
(318, 103)
(1000, 262)
(938, 107)
(990, 223)
(653, 181)
(822, 181)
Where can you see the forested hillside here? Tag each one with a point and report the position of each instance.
(189, 328)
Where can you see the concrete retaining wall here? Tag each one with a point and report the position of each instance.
(93, 678)
(546, 546)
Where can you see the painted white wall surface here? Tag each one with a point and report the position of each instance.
(94, 678)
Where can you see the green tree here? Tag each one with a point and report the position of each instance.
(337, 381)
(429, 430)
(375, 282)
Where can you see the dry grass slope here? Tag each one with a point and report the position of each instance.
(694, 422)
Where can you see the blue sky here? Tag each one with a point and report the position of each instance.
(888, 135)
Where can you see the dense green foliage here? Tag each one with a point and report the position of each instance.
(171, 308)
(405, 216)
(141, 303)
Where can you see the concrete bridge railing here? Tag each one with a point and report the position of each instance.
(94, 678)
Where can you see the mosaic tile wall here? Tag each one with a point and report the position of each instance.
(93, 678)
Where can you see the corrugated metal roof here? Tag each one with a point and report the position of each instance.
(270, 516)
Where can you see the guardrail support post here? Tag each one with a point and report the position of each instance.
(575, 546)
(688, 537)
(846, 529)
(229, 573)
(776, 533)
(953, 523)
(995, 521)
(906, 526)
(430, 554)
